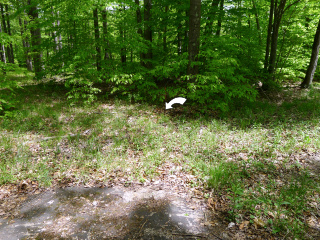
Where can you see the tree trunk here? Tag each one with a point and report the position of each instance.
(35, 38)
(123, 49)
(105, 34)
(148, 33)
(266, 58)
(165, 47)
(2, 50)
(221, 14)
(11, 60)
(28, 57)
(257, 20)
(4, 27)
(139, 31)
(278, 13)
(97, 38)
(313, 60)
(194, 35)
(186, 33)
(212, 12)
(54, 34)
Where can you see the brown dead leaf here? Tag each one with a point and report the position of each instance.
(244, 224)
(258, 222)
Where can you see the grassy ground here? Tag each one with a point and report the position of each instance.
(259, 164)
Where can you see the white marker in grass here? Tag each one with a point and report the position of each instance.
(179, 100)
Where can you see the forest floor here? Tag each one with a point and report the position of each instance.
(255, 169)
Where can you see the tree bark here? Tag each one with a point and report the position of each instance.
(123, 50)
(212, 12)
(97, 38)
(313, 60)
(105, 34)
(5, 30)
(28, 57)
(165, 47)
(266, 58)
(278, 13)
(194, 36)
(35, 38)
(25, 45)
(11, 60)
(2, 50)
(139, 31)
(221, 14)
(148, 33)
(257, 20)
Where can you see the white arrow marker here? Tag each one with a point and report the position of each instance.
(180, 100)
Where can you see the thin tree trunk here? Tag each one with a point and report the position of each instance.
(212, 13)
(194, 35)
(148, 33)
(221, 14)
(4, 27)
(35, 38)
(27, 41)
(105, 33)
(97, 38)
(257, 20)
(11, 60)
(139, 31)
(54, 34)
(278, 13)
(186, 33)
(266, 58)
(2, 50)
(165, 47)
(123, 50)
(313, 60)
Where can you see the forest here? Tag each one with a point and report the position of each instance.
(83, 90)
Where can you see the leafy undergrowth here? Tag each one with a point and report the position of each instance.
(259, 163)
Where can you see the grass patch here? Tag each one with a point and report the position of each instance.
(255, 156)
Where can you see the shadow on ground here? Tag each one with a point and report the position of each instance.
(107, 213)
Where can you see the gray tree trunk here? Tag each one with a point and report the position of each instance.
(313, 60)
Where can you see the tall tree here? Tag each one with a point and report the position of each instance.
(35, 37)
(313, 60)
(2, 50)
(25, 44)
(11, 60)
(211, 16)
(221, 14)
(194, 35)
(257, 20)
(105, 34)
(279, 10)
(139, 21)
(5, 30)
(148, 33)
(97, 38)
